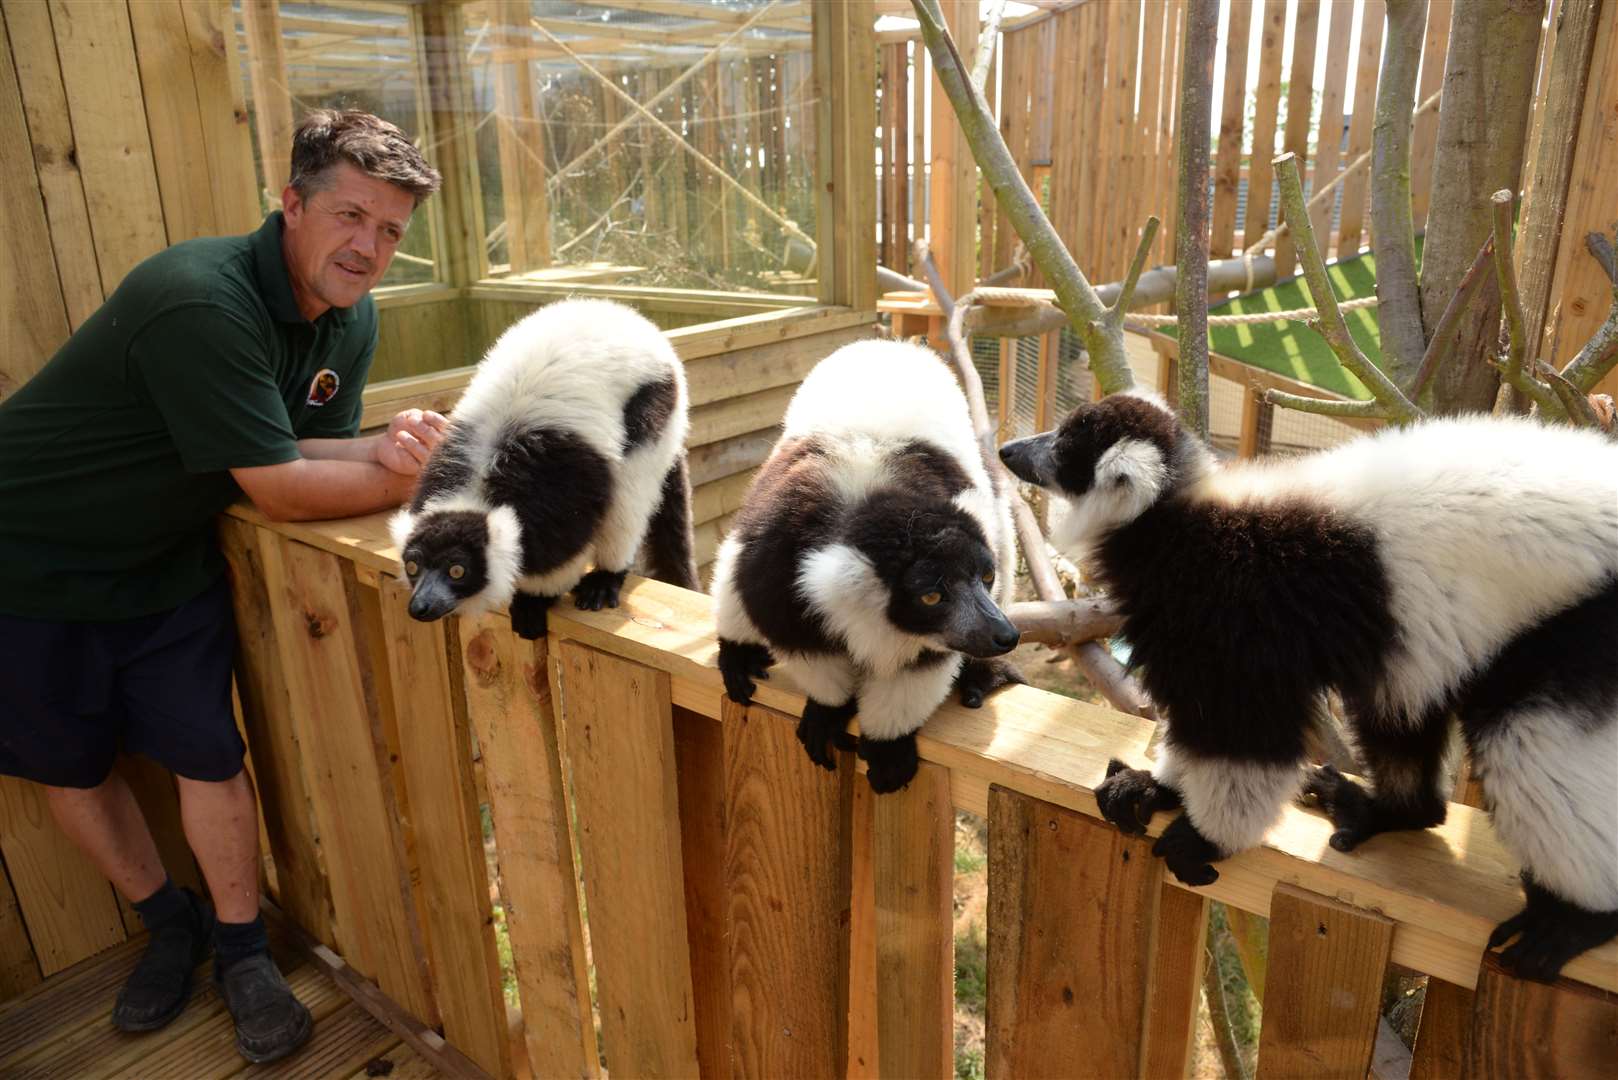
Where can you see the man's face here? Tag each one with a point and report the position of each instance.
(339, 241)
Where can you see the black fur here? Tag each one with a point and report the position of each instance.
(448, 470)
(1240, 619)
(1090, 431)
(445, 541)
(980, 678)
(823, 731)
(739, 664)
(647, 412)
(530, 615)
(890, 764)
(669, 545)
(559, 487)
(1188, 854)
(598, 589)
(1129, 797)
(1549, 932)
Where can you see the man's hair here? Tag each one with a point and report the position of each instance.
(369, 143)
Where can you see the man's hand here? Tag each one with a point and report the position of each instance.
(410, 440)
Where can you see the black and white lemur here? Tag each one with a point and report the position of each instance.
(567, 450)
(1462, 566)
(870, 558)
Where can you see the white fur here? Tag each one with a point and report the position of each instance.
(1487, 526)
(1552, 782)
(1129, 478)
(572, 365)
(730, 617)
(1232, 803)
(841, 585)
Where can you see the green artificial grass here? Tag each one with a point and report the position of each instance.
(1294, 350)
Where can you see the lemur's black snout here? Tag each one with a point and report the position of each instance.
(1029, 459)
(433, 598)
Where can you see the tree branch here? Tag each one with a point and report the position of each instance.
(1393, 237)
(1063, 622)
(1086, 315)
(986, 43)
(1364, 410)
(1599, 246)
(1331, 325)
(1443, 342)
(1191, 227)
(1126, 290)
(1600, 353)
(1580, 413)
(1505, 274)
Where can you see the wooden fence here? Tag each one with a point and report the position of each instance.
(751, 914)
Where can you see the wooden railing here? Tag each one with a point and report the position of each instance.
(751, 914)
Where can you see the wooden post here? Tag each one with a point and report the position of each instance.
(915, 947)
(1300, 107)
(508, 696)
(1351, 226)
(1045, 380)
(1232, 124)
(1323, 991)
(272, 98)
(1424, 136)
(699, 758)
(1519, 1028)
(1329, 141)
(1260, 173)
(1178, 949)
(954, 187)
(522, 146)
(619, 740)
(786, 865)
(1068, 895)
(455, 153)
(845, 66)
(435, 754)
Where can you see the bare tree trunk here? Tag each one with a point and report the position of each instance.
(1393, 238)
(1482, 132)
(1191, 230)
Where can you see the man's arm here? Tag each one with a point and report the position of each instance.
(337, 478)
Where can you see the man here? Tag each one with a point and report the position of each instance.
(219, 366)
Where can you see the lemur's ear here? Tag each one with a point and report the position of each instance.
(1136, 465)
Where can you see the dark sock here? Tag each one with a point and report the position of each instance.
(164, 906)
(238, 941)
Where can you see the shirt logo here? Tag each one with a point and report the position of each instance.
(323, 387)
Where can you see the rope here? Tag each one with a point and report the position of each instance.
(1255, 317)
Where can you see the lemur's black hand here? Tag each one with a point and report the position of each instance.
(824, 730)
(739, 664)
(1187, 853)
(1129, 797)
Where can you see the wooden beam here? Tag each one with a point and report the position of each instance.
(272, 96)
(1522, 1028)
(521, 131)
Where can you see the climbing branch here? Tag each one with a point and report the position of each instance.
(1443, 341)
(1065, 621)
(1395, 406)
(1600, 353)
(1511, 365)
(1085, 313)
(1393, 235)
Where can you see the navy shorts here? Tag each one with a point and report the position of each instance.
(72, 695)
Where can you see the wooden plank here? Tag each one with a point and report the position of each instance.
(1152, 75)
(1068, 896)
(1356, 188)
(1266, 103)
(1178, 942)
(508, 696)
(71, 999)
(1056, 749)
(1120, 228)
(1446, 1019)
(55, 158)
(19, 968)
(1018, 51)
(1071, 154)
(1232, 126)
(334, 694)
(435, 754)
(717, 460)
(730, 375)
(67, 906)
(174, 119)
(1583, 295)
(227, 136)
(892, 184)
(720, 498)
(914, 872)
(699, 754)
(1045, 381)
(254, 558)
(449, 86)
(619, 739)
(1522, 1028)
(954, 187)
(1329, 141)
(271, 91)
(1300, 118)
(899, 176)
(786, 867)
(738, 415)
(1424, 135)
(864, 1050)
(985, 201)
(1323, 988)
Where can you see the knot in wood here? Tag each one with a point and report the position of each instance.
(317, 624)
(482, 659)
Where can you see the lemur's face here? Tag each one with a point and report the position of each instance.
(1106, 464)
(446, 561)
(939, 571)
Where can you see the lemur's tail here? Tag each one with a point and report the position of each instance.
(668, 546)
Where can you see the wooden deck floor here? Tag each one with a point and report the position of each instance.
(63, 1028)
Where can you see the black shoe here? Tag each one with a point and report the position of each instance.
(270, 1021)
(160, 985)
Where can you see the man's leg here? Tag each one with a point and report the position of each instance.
(106, 824)
(221, 824)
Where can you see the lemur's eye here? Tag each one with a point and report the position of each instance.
(457, 572)
(988, 577)
(931, 598)
(412, 569)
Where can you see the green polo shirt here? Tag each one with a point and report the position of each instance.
(113, 458)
